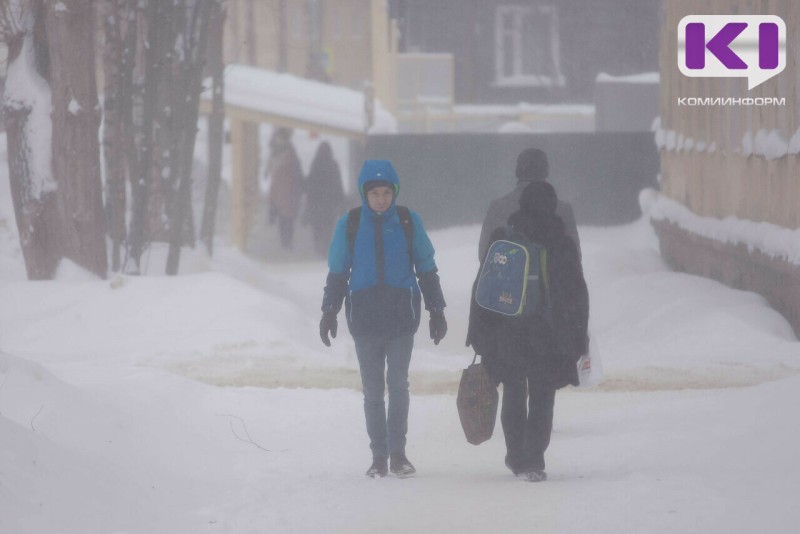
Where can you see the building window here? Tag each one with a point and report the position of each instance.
(527, 51)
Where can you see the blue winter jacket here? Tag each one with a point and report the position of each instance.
(378, 283)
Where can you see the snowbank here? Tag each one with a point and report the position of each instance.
(773, 240)
(112, 418)
(770, 144)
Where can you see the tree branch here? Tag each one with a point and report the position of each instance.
(247, 438)
(35, 416)
(12, 15)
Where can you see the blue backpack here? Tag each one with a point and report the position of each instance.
(513, 279)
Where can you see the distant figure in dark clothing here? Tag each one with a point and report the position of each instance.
(324, 197)
(286, 189)
(531, 355)
(532, 166)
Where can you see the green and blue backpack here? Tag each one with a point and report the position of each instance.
(513, 279)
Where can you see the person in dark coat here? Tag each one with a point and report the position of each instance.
(533, 356)
(532, 166)
(286, 189)
(324, 196)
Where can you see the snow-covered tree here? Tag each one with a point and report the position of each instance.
(153, 58)
(26, 110)
(51, 115)
(76, 121)
(174, 56)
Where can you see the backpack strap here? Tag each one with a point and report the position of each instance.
(545, 277)
(546, 280)
(543, 263)
(354, 218)
(408, 229)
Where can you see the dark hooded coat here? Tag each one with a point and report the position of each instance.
(551, 348)
(287, 183)
(324, 194)
(501, 208)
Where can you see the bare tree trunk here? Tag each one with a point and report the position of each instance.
(163, 162)
(76, 119)
(216, 125)
(113, 141)
(156, 16)
(190, 49)
(120, 29)
(34, 214)
(26, 109)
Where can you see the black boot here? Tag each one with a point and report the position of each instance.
(379, 467)
(513, 466)
(535, 475)
(400, 466)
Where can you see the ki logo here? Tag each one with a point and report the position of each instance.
(732, 46)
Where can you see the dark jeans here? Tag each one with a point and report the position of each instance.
(387, 433)
(527, 428)
(322, 238)
(286, 231)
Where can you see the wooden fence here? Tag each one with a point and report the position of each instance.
(734, 179)
(728, 182)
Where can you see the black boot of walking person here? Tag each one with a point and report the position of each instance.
(379, 467)
(400, 466)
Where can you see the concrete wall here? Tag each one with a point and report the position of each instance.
(451, 178)
(625, 107)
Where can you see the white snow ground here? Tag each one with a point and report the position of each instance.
(114, 418)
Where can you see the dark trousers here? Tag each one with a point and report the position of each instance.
(527, 418)
(322, 238)
(286, 231)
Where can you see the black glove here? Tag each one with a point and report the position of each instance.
(438, 326)
(327, 325)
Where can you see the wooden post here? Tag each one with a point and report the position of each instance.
(244, 180)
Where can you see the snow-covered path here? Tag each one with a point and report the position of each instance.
(104, 427)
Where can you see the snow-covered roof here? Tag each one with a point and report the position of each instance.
(644, 77)
(266, 96)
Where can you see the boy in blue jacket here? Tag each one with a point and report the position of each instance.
(377, 254)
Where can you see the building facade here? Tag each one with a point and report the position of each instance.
(323, 40)
(532, 51)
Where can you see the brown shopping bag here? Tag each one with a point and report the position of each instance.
(477, 402)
